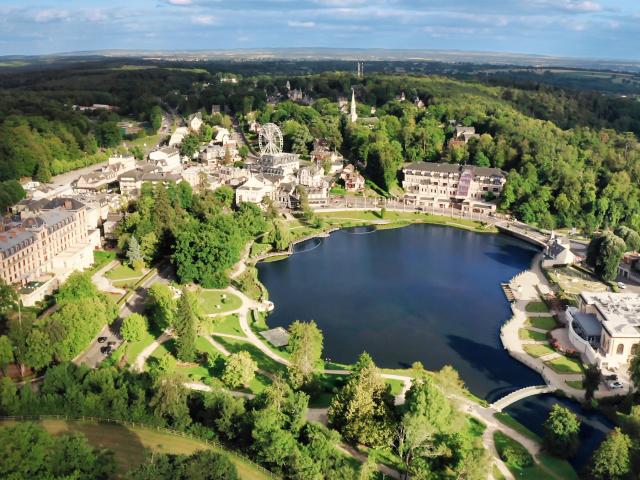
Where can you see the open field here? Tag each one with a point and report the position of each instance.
(122, 272)
(217, 301)
(543, 323)
(526, 334)
(536, 307)
(131, 445)
(565, 365)
(503, 443)
(573, 281)
(538, 350)
(229, 325)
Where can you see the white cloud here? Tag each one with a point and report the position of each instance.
(50, 15)
(295, 24)
(96, 15)
(583, 6)
(204, 20)
(179, 2)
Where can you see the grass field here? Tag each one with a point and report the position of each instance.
(533, 472)
(130, 445)
(543, 323)
(135, 348)
(101, 258)
(264, 362)
(526, 334)
(122, 272)
(210, 300)
(511, 422)
(577, 384)
(538, 350)
(565, 365)
(573, 281)
(229, 325)
(537, 307)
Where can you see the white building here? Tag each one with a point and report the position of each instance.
(166, 159)
(287, 163)
(195, 122)
(178, 136)
(605, 327)
(255, 189)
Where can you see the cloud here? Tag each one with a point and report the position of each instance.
(50, 15)
(181, 3)
(583, 6)
(295, 24)
(96, 15)
(204, 20)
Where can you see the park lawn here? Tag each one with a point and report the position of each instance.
(264, 362)
(543, 323)
(511, 422)
(229, 325)
(537, 307)
(122, 272)
(168, 347)
(248, 284)
(132, 445)
(526, 334)
(260, 248)
(396, 385)
(538, 350)
(577, 384)
(560, 468)
(211, 299)
(565, 365)
(497, 474)
(101, 258)
(533, 472)
(133, 349)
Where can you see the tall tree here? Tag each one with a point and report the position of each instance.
(280, 237)
(239, 370)
(134, 253)
(169, 401)
(305, 345)
(361, 410)
(604, 253)
(39, 352)
(6, 353)
(630, 236)
(186, 325)
(161, 306)
(133, 327)
(611, 460)
(561, 431)
(8, 298)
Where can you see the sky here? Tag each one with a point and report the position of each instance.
(605, 29)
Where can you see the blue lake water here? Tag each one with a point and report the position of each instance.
(423, 292)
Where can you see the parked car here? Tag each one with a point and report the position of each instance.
(614, 384)
(102, 339)
(621, 286)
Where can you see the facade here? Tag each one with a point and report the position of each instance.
(178, 136)
(288, 163)
(445, 185)
(255, 189)
(607, 326)
(195, 122)
(50, 245)
(166, 159)
(558, 252)
(353, 180)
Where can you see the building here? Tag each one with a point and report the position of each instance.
(558, 252)
(195, 122)
(178, 135)
(464, 134)
(446, 185)
(285, 163)
(131, 182)
(605, 327)
(212, 155)
(353, 180)
(255, 189)
(39, 251)
(166, 159)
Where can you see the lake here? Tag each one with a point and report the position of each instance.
(421, 293)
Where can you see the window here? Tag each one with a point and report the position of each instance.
(620, 349)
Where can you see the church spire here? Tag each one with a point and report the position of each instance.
(353, 115)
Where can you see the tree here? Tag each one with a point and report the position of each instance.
(243, 151)
(155, 118)
(604, 253)
(6, 353)
(186, 325)
(169, 401)
(161, 306)
(561, 432)
(208, 465)
(108, 134)
(611, 460)
(239, 370)
(280, 236)
(190, 145)
(592, 377)
(133, 327)
(305, 345)
(39, 352)
(134, 253)
(361, 410)
(631, 238)
(8, 298)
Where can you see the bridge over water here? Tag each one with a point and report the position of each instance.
(524, 232)
(521, 394)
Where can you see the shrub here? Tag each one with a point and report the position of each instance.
(518, 457)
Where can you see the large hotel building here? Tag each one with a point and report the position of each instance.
(447, 185)
(38, 250)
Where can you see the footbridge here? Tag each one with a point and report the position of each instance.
(524, 232)
(521, 394)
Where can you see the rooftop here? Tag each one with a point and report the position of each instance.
(621, 312)
(454, 168)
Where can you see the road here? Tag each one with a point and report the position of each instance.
(92, 356)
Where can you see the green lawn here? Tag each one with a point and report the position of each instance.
(259, 248)
(565, 365)
(396, 385)
(538, 350)
(533, 472)
(131, 445)
(122, 272)
(526, 334)
(101, 258)
(264, 362)
(218, 301)
(543, 323)
(577, 384)
(537, 307)
(134, 349)
(511, 422)
(229, 325)
(560, 468)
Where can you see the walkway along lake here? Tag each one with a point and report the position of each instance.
(422, 292)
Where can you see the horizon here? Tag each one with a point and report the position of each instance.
(573, 29)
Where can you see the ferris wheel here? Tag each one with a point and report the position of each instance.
(270, 139)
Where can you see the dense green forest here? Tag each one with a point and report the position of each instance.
(572, 156)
